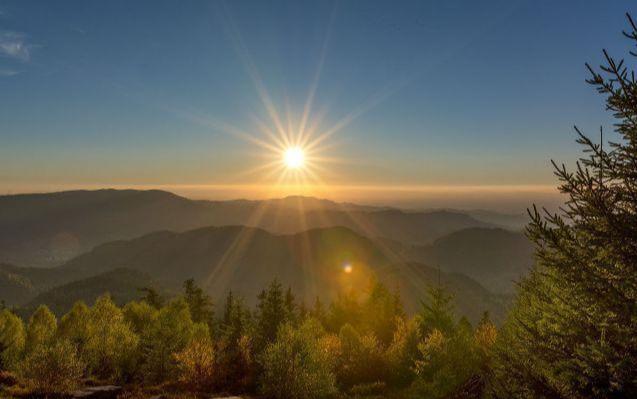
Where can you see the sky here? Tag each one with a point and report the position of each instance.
(411, 103)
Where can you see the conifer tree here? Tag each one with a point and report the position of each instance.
(437, 312)
(318, 311)
(291, 308)
(234, 355)
(572, 331)
(271, 314)
(380, 312)
(140, 316)
(227, 309)
(169, 333)
(199, 303)
(152, 297)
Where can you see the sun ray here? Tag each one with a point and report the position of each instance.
(376, 99)
(221, 272)
(251, 68)
(317, 75)
(282, 142)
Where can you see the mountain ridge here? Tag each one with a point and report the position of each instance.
(47, 229)
(246, 259)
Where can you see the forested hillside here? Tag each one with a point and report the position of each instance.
(320, 263)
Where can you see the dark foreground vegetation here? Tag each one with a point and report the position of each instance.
(572, 332)
(355, 346)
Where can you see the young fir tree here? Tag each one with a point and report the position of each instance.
(270, 315)
(199, 303)
(380, 312)
(572, 332)
(152, 297)
(227, 310)
(437, 312)
(169, 333)
(234, 347)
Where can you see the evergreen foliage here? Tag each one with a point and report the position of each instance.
(572, 331)
(437, 312)
(296, 366)
(361, 358)
(297, 355)
(273, 310)
(196, 362)
(235, 353)
(199, 304)
(41, 329)
(111, 346)
(169, 333)
(140, 315)
(52, 368)
(12, 339)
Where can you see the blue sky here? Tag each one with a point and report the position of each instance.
(454, 93)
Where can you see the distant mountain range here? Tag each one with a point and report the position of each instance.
(495, 257)
(60, 247)
(245, 260)
(44, 230)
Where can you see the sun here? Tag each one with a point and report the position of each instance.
(294, 158)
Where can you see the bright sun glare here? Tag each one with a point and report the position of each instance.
(294, 158)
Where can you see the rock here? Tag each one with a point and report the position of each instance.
(102, 392)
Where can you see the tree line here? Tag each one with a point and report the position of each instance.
(358, 345)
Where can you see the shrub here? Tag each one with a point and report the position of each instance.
(372, 389)
(52, 368)
(111, 345)
(169, 333)
(485, 337)
(74, 325)
(140, 315)
(362, 359)
(41, 328)
(446, 362)
(296, 365)
(197, 360)
(12, 338)
(403, 353)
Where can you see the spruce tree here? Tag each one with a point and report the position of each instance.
(573, 330)
(437, 311)
(271, 314)
(152, 297)
(199, 304)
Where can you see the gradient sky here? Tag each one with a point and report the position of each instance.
(464, 102)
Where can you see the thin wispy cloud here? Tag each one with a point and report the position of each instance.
(14, 45)
(8, 72)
